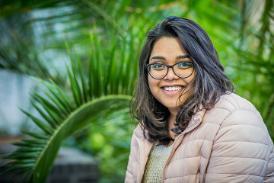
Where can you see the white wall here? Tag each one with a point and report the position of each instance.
(15, 91)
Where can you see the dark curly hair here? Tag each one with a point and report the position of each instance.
(209, 83)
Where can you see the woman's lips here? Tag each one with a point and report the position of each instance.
(172, 90)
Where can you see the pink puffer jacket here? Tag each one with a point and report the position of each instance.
(228, 143)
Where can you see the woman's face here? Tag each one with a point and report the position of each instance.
(168, 90)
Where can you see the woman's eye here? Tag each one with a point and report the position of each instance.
(157, 66)
(184, 65)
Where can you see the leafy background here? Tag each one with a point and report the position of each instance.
(84, 55)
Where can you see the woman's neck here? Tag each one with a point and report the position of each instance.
(173, 113)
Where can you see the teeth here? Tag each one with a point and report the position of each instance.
(172, 88)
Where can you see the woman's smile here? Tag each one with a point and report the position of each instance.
(172, 90)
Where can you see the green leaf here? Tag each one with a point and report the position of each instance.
(43, 126)
(49, 145)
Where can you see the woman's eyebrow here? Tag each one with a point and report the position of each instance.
(158, 58)
(163, 58)
(182, 56)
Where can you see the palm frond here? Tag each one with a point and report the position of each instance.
(92, 91)
(36, 153)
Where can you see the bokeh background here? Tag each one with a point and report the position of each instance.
(88, 49)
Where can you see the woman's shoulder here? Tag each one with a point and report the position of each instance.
(232, 102)
(232, 109)
(241, 140)
(238, 119)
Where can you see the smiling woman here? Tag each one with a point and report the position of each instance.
(192, 127)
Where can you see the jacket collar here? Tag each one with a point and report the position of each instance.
(195, 121)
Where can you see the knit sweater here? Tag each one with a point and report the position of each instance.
(156, 162)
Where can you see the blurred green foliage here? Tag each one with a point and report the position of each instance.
(90, 49)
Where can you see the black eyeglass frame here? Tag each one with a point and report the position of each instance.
(172, 67)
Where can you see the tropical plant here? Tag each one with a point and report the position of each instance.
(61, 117)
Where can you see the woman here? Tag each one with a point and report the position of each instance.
(192, 127)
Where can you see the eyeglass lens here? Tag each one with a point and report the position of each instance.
(181, 69)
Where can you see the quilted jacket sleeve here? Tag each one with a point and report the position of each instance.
(269, 178)
(242, 150)
(133, 159)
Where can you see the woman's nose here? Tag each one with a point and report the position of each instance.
(170, 74)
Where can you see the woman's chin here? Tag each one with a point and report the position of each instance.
(171, 106)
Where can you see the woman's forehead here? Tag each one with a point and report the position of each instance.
(167, 47)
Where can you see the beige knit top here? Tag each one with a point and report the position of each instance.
(155, 164)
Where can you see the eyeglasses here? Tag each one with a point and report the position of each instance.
(182, 69)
